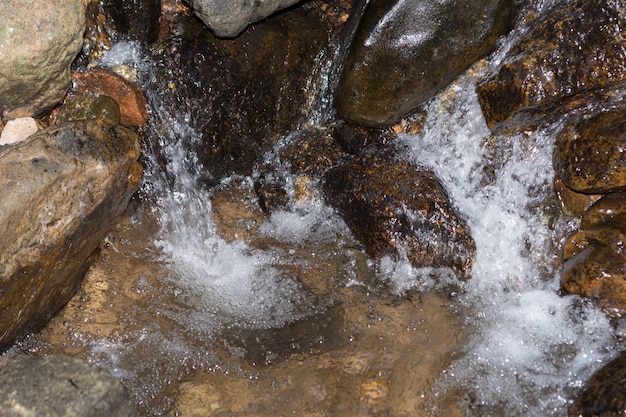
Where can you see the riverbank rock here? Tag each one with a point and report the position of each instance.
(60, 386)
(405, 52)
(595, 257)
(62, 190)
(17, 130)
(590, 154)
(38, 42)
(603, 394)
(228, 18)
(394, 206)
(129, 97)
(576, 49)
(240, 95)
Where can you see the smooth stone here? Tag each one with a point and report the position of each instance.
(406, 51)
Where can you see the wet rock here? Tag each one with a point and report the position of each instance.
(62, 190)
(595, 257)
(393, 206)
(88, 108)
(603, 394)
(38, 42)
(134, 19)
(405, 52)
(357, 140)
(572, 203)
(240, 95)
(60, 386)
(308, 155)
(590, 154)
(228, 18)
(576, 48)
(129, 97)
(17, 130)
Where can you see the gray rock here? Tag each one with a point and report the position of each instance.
(38, 42)
(61, 190)
(228, 18)
(406, 51)
(60, 386)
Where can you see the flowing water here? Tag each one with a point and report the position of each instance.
(202, 306)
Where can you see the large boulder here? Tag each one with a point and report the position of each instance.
(405, 52)
(60, 386)
(394, 206)
(240, 95)
(38, 42)
(590, 154)
(573, 50)
(61, 189)
(228, 18)
(595, 257)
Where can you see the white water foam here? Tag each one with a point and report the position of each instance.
(530, 347)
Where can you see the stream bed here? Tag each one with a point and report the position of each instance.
(204, 306)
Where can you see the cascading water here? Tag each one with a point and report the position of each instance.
(527, 350)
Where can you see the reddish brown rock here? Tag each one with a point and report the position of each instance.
(129, 97)
(572, 204)
(590, 154)
(575, 49)
(393, 205)
(595, 257)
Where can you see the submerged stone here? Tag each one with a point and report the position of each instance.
(62, 190)
(60, 386)
(393, 206)
(576, 48)
(405, 52)
(590, 154)
(603, 394)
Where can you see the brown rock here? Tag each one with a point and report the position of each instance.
(590, 155)
(62, 190)
(604, 393)
(595, 257)
(392, 205)
(575, 48)
(572, 204)
(129, 97)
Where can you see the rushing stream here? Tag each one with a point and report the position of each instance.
(521, 349)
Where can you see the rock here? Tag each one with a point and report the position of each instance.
(392, 206)
(576, 48)
(129, 97)
(240, 95)
(17, 130)
(590, 154)
(307, 156)
(228, 18)
(38, 42)
(62, 190)
(60, 386)
(88, 108)
(595, 257)
(405, 52)
(572, 203)
(134, 19)
(603, 395)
